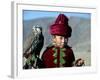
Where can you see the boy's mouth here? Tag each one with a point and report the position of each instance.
(60, 45)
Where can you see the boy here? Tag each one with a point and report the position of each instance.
(59, 54)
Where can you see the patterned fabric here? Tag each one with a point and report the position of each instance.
(31, 59)
(58, 57)
(62, 55)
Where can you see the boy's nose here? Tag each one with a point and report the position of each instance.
(63, 40)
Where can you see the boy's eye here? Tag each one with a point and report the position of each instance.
(60, 37)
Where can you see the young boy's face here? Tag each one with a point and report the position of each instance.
(59, 41)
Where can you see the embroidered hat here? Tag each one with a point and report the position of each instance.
(61, 27)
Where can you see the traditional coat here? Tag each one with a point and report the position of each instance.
(58, 57)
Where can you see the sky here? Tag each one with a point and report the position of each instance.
(29, 14)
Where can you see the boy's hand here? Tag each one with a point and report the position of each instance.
(79, 62)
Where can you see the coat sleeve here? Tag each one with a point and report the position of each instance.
(43, 58)
(70, 58)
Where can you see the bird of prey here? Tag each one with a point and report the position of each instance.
(33, 49)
